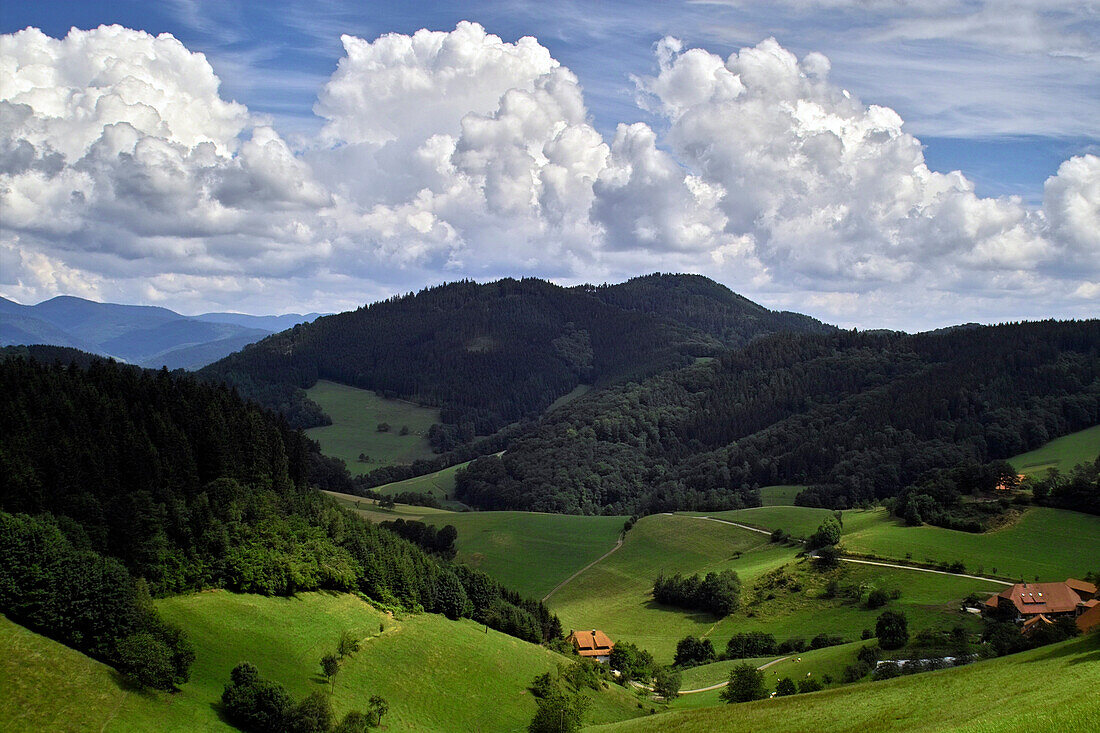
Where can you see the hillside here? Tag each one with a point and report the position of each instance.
(1046, 689)
(802, 409)
(151, 483)
(490, 354)
(1062, 453)
(145, 335)
(286, 638)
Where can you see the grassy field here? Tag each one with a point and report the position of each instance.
(1047, 689)
(530, 552)
(1046, 543)
(614, 595)
(527, 551)
(440, 484)
(1062, 453)
(356, 414)
(779, 495)
(579, 391)
(432, 671)
(816, 663)
(799, 521)
(369, 510)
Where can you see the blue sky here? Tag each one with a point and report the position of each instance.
(1004, 92)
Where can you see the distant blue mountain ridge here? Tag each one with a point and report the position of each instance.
(148, 336)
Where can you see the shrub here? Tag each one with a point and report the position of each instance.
(877, 598)
(750, 644)
(892, 630)
(746, 683)
(809, 685)
(785, 687)
(691, 651)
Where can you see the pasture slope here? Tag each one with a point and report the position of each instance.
(1062, 453)
(439, 484)
(356, 415)
(779, 495)
(816, 663)
(432, 671)
(615, 593)
(1047, 689)
(530, 552)
(1048, 544)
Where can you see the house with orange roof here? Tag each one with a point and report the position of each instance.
(592, 644)
(1035, 604)
(1089, 618)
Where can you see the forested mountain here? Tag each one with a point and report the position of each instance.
(144, 335)
(860, 415)
(114, 473)
(490, 354)
(703, 304)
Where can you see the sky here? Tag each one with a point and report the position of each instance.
(874, 163)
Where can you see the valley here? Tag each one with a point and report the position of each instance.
(243, 537)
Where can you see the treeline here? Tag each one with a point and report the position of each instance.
(439, 541)
(1079, 490)
(260, 705)
(718, 593)
(87, 601)
(185, 486)
(857, 416)
(491, 354)
(937, 497)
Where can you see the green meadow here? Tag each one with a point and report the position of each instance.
(615, 594)
(369, 510)
(1062, 453)
(799, 521)
(1049, 544)
(356, 415)
(820, 664)
(1047, 689)
(432, 671)
(530, 552)
(779, 495)
(440, 484)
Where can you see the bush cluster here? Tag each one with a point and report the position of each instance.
(716, 592)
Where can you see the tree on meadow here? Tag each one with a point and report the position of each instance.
(746, 683)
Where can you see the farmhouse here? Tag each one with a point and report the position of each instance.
(593, 644)
(1089, 619)
(1036, 604)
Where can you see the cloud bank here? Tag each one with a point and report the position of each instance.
(125, 175)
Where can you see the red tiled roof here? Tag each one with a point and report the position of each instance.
(1089, 620)
(592, 643)
(1036, 620)
(1031, 599)
(1083, 587)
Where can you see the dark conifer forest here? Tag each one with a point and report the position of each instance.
(121, 483)
(491, 354)
(858, 416)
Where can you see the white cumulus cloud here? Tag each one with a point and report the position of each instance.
(124, 173)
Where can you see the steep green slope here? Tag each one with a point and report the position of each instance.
(1048, 544)
(356, 415)
(1062, 453)
(437, 675)
(1047, 689)
(531, 553)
